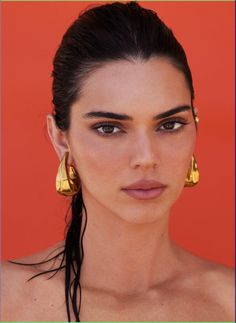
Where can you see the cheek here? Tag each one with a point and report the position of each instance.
(178, 152)
(96, 158)
(176, 156)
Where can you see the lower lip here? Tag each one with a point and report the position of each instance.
(145, 194)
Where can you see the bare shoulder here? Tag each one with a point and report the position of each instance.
(215, 282)
(220, 280)
(208, 270)
(222, 274)
(216, 276)
(19, 290)
(22, 270)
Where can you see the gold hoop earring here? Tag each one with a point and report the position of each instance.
(67, 179)
(193, 175)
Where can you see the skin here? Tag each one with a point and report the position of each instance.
(132, 271)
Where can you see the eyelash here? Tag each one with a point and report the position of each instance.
(180, 121)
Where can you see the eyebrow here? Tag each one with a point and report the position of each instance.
(116, 116)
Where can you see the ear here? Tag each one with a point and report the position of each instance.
(57, 136)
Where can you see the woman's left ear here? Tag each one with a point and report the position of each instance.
(58, 137)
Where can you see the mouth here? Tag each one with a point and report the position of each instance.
(145, 194)
(145, 189)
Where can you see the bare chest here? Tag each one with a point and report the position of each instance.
(168, 306)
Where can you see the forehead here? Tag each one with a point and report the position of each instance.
(131, 87)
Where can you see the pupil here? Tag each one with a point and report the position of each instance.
(169, 125)
(108, 129)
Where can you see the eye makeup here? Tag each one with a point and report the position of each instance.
(170, 126)
(107, 125)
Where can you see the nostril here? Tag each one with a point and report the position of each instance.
(143, 162)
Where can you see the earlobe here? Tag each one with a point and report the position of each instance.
(57, 137)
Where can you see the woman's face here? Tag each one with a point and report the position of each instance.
(110, 154)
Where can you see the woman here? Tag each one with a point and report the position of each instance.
(124, 128)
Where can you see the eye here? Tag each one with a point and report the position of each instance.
(107, 129)
(172, 125)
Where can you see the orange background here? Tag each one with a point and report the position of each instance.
(202, 221)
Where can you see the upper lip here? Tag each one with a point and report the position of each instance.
(144, 185)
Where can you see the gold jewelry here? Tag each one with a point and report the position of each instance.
(195, 114)
(67, 179)
(193, 174)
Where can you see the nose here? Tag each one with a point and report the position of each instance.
(144, 152)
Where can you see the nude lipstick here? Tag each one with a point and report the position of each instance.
(144, 189)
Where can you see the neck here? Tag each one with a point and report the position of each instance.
(123, 257)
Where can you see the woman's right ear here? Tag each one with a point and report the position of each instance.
(57, 136)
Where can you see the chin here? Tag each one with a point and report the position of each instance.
(140, 215)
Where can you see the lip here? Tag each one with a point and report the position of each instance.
(144, 189)
(144, 185)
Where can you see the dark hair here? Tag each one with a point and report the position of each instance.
(110, 32)
(105, 33)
